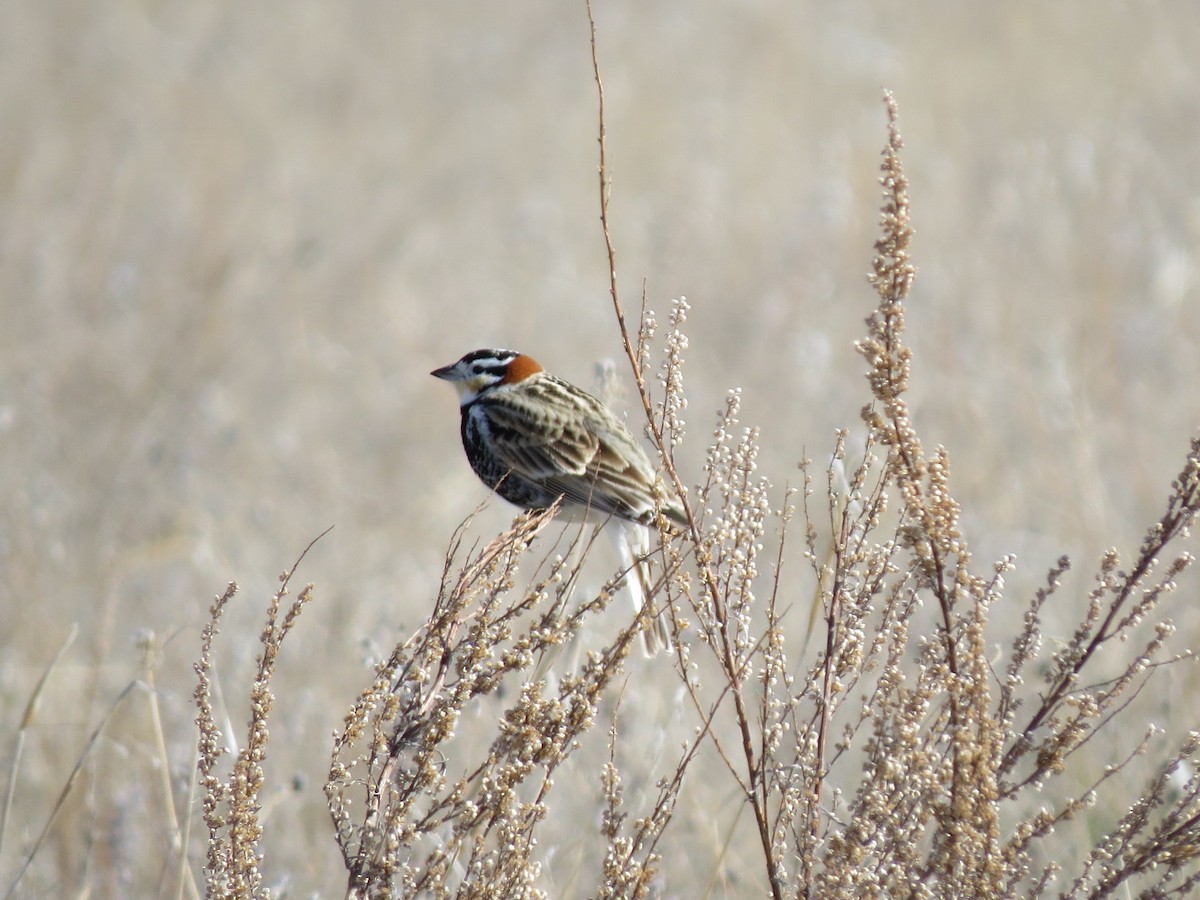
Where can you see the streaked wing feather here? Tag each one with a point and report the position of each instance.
(566, 439)
(610, 486)
(535, 447)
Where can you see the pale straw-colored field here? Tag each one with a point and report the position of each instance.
(235, 238)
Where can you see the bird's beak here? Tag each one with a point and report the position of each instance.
(445, 372)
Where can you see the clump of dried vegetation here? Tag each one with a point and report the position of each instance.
(878, 742)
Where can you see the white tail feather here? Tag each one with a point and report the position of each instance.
(633, 543)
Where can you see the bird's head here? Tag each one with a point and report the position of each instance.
(485, 370)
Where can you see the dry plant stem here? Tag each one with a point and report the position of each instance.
(632, 351)
(218, 871)
(892, 277)
(425, 831)
(151, 648)
(27, 719)
(84, 756)
(1182, 509)
(833, 610)
(939, 556)
(602, 140)
(727, 656)
(184, 873)
(1026, 644)
(622, 871)
(232, 809)
(1173, 840)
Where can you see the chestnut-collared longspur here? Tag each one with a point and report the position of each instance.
(532, 438)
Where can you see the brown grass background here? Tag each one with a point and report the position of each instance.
(234, 239)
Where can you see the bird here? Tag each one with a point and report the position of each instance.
(534, 438)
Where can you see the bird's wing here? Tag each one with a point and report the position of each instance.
(622, 464)
(610, 485)
(589, 458)
(536, 445)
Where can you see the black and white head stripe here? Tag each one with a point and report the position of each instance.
(491, 362)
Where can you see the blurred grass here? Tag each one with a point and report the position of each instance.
(234, 239)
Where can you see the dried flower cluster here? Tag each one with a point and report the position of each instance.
(878, 743)
(232, 807)
(428, 825)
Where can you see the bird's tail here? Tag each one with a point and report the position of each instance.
(633, 544)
